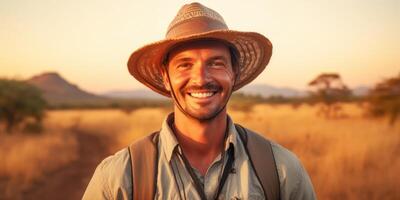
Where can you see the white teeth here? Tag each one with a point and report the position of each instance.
(201, 94)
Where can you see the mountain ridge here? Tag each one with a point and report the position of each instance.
(57, 90)
(264, 90)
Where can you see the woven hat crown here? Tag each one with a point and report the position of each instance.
(195, 18)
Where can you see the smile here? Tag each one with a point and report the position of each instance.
(201, 94)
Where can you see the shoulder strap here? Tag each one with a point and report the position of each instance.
(144, 153)
(261, 157)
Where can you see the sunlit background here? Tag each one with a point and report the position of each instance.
(89, 42)
(53, 136)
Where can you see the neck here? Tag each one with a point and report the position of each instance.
(201, 140)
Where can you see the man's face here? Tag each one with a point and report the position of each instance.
(201, 77)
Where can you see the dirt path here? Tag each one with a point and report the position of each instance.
(70, 181)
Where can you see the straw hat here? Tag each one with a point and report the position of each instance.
(195, 21)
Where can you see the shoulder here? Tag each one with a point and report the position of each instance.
(117, 167)
(112, 178)
(294, 180)
(287, 162)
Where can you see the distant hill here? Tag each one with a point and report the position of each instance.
(134, 94)
(360, 91)
(260, 89)
(266, 91)
(56, 90)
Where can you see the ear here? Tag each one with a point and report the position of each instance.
(164, 74)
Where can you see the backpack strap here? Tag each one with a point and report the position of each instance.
(144, 154)
(262, 159)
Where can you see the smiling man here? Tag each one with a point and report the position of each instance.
(199, 153)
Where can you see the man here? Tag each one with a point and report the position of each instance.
(199, 152)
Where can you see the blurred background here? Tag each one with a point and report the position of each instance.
(331, 92)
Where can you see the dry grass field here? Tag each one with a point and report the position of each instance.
(26, 158)
(353, 157)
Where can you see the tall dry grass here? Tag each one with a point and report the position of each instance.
(118, 127)
(25, 159)
(349, 158)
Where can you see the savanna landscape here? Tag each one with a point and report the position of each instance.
(330, 92)
(349, 157)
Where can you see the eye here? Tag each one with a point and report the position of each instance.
(184, 65)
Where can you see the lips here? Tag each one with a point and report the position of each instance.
(203, 91)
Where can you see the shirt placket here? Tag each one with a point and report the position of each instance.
(210, 180)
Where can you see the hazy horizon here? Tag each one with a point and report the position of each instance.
(89, 42)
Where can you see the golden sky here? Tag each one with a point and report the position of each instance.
(89, 41)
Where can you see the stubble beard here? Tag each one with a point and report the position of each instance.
(208, 116)
(205, 117)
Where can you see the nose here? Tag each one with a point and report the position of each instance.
(200, 74)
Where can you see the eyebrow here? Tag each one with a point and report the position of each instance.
(219, 58)
(187, 59)
(182, 59)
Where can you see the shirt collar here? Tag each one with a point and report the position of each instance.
(167, 137)
(169, 142)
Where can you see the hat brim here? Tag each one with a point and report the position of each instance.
(254, 50)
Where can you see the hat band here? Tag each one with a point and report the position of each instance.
(193, 26)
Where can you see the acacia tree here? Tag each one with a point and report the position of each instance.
(329, 89)
(19, 101)
(384, 99)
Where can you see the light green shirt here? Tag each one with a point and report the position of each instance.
(112, 178)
